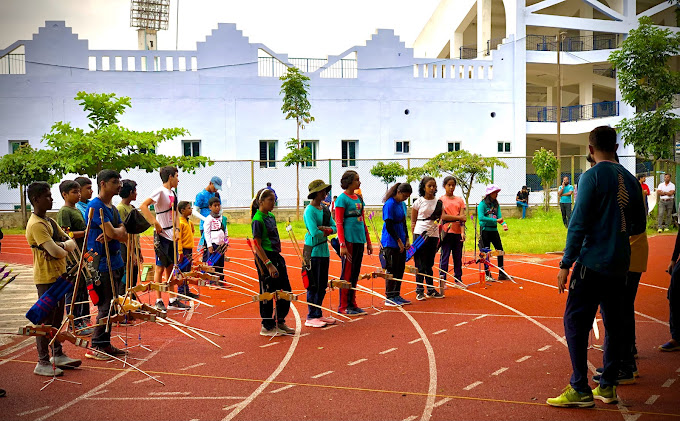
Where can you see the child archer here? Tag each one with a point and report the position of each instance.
(215, 234)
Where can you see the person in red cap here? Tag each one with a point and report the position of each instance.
(489, 216)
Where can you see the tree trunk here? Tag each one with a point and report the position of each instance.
(24, 215)
(297, 175)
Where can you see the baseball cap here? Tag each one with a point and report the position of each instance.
(217, 182)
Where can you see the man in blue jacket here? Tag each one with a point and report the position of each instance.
(609, 210)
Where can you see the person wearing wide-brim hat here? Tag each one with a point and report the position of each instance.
(489, 217)
(320, 224)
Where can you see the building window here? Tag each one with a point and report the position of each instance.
(313, 145)
(14, 145)
(267, 153)
(402, 146)
(191, 147)
(454, 146)
(349, 153)
(503, 147)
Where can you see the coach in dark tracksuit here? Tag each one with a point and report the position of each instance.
(674, 300)
(609, 210)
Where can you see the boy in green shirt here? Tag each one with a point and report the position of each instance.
(71, 220)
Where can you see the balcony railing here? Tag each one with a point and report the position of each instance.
(604, 71)
(13, 64)
(272, 67)
(573, 112)
(468, 52)
(585, 43)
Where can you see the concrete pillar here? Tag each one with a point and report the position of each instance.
(585, 92)
(586, 11)
(483, 25)
(456, 43)
(552, 96)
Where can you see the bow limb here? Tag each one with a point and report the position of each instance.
(189, 298)
(179, 330)
(191, 327)
(324, 308)
(370, 291)
(230, 308)
(128, 364)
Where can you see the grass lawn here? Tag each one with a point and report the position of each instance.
(542, 232)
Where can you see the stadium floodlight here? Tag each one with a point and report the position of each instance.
(149, 16)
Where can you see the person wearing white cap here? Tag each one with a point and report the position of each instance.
(489, 216)
(201, 208)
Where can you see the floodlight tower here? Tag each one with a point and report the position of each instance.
(149, 16)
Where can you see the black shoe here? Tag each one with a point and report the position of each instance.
(283, 329)
(190, 294)
(112, 350)
(503, 277)
(623, 378)
(435, 294)
(2, 393)
(177, 305)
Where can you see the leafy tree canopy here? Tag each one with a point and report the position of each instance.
(388, 173)
(546, 166)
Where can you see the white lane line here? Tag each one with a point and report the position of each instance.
(652, 399)
(411, 418)
(32, 411)
(415, 340)
(281, 389)
(499, 371)
(472, 386)
(376, 313)
(480, 317)
(668, 383)
(191, 366)
(304, 334)
(325, 373)
(545, 348)
(293, 344)
(169, 393)
(524, 358)
(269, 344)
(461, 324)
(652, 318)
(233, 355)
(441, 402)
(97, 388)
(226, 408)
(439, 331)
(357, 361)
(387, 351)
(357, 319)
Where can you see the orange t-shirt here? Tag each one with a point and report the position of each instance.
(452, 205)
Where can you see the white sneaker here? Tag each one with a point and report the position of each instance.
(314, 323)
(47, 371)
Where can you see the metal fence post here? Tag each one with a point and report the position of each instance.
(572, 170)
(252, 178)
(330, 172)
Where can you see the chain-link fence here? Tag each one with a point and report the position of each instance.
(240, 179)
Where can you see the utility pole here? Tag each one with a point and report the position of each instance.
(558, 41)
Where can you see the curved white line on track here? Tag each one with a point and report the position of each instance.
(432, 363)
(291, 349)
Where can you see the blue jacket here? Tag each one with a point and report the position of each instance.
(608, 211)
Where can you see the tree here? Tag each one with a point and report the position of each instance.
(465, 167)
(545, 164)
(110, 146)
(26, 165)
(647, 82)
(388, 173)
(295, 87)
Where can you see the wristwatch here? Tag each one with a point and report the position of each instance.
(564, 265)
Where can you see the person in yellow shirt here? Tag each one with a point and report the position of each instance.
(49, 262)
(186, 243)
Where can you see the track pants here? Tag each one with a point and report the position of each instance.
(588, 290)
(350, 273)
(101, 338)
(269, 284)
(674, 302)
(487, 239)
(424, 259)
(318, 281)
(396, 262)
(54, 318)
(451, 245)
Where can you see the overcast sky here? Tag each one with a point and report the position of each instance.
(301, 28)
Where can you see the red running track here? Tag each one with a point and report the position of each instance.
(492, 353)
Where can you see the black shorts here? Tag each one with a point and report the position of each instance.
(163, 248)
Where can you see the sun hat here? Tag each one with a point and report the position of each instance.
(217, 182)
(317, 186)
(491, 188)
